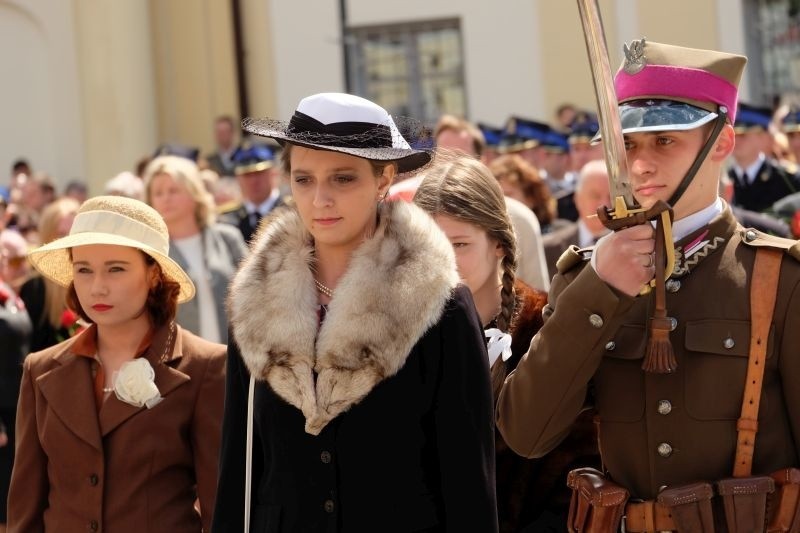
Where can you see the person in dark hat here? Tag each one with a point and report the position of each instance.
(254, 166)
(355, 352)
(758, 180)
(191, 153)
(555, 160)
(522, 137)
(493, 137)
(790, 126)
(665, 423)
(581, 148)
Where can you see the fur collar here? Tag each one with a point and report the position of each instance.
(394, 290)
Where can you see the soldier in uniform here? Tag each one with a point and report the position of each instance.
(665, 429)
(758, 180)
(255, 172)
(790, 126)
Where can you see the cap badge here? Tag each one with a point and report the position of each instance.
(634, 57)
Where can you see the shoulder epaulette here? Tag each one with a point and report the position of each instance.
(572, 257)
(755, 238)
(228, 207)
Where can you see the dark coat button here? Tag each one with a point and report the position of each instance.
(325, 457)
(328, 506)
(93, 525)
(93, 480)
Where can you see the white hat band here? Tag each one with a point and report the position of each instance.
(116, 224)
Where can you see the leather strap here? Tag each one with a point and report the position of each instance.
(649, 516)
(763, 293)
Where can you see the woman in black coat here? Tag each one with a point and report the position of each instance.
(15, 337)
(372, 407)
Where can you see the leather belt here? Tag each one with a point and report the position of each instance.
(648, 517)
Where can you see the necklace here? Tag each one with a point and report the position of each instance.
(327, 291)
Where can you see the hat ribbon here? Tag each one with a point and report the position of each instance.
(358, 134)
(120, 225)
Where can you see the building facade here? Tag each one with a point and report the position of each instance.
(91, 86)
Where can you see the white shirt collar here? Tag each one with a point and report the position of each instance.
(264, 207)
(683, 227)
(752, 170)
(585, 237)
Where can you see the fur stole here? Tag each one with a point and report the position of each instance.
(395, 288)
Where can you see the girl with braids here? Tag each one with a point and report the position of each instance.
(465, 200)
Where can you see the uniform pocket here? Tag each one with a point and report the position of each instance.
(619, 381)
(716, 367)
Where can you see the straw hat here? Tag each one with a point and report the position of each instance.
(351, 125)
(118, 221)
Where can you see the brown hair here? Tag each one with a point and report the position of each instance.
(516, 170)
(456, 124)
(161, 304)
(465, 189)
(286, 162)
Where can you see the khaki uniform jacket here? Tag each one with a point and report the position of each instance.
(663, 429)
(124, 469)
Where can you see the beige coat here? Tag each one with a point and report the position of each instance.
(124, 468)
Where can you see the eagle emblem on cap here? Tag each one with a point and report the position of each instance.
(634, 56)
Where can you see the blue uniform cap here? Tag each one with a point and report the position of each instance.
(253, 158)
(187, 152)
(791, 122)
(752, 118)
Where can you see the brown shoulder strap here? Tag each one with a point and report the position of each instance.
(763, 293)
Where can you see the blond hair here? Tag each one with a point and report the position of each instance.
(55, 296)
(465, 189)
(458, 125)
(186, 173)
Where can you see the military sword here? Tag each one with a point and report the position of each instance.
(626, 211)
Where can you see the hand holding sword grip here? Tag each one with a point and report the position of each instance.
(624, 258)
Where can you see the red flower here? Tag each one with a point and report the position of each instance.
(68, 318)
(796, 224)
(5, 294)
(69, 322)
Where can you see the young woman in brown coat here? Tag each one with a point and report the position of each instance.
(118, 428)
(468, 204)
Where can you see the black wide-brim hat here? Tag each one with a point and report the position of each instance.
(351, 125)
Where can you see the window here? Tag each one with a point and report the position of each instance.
(774, 50)
(414, 69)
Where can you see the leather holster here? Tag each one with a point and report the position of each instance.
(783, 509)
(597, 504)
(690, 507)
(745, 502)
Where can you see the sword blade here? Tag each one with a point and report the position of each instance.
(607, 109)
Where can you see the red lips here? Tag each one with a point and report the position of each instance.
(101, 307)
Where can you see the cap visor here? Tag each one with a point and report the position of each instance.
(660, 115)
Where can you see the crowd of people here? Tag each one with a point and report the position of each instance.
(385, 295)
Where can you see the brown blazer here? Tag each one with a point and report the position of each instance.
(122, 468)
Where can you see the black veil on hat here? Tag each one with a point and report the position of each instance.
(351, 125)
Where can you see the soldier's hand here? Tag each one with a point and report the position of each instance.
(624, 259)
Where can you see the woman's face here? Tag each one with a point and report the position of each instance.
(477, 256)
(171, 199)
(337, 195)
(112, 282)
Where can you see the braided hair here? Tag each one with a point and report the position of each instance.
(463, 188)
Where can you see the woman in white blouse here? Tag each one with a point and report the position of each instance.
(208, 251)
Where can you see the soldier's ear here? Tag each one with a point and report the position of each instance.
(724, 144)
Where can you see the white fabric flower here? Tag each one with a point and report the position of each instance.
(499, 343)
(134, 383)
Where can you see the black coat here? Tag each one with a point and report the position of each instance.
(240, 218)
(414, 453)
(773, 182)
(15, 334)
